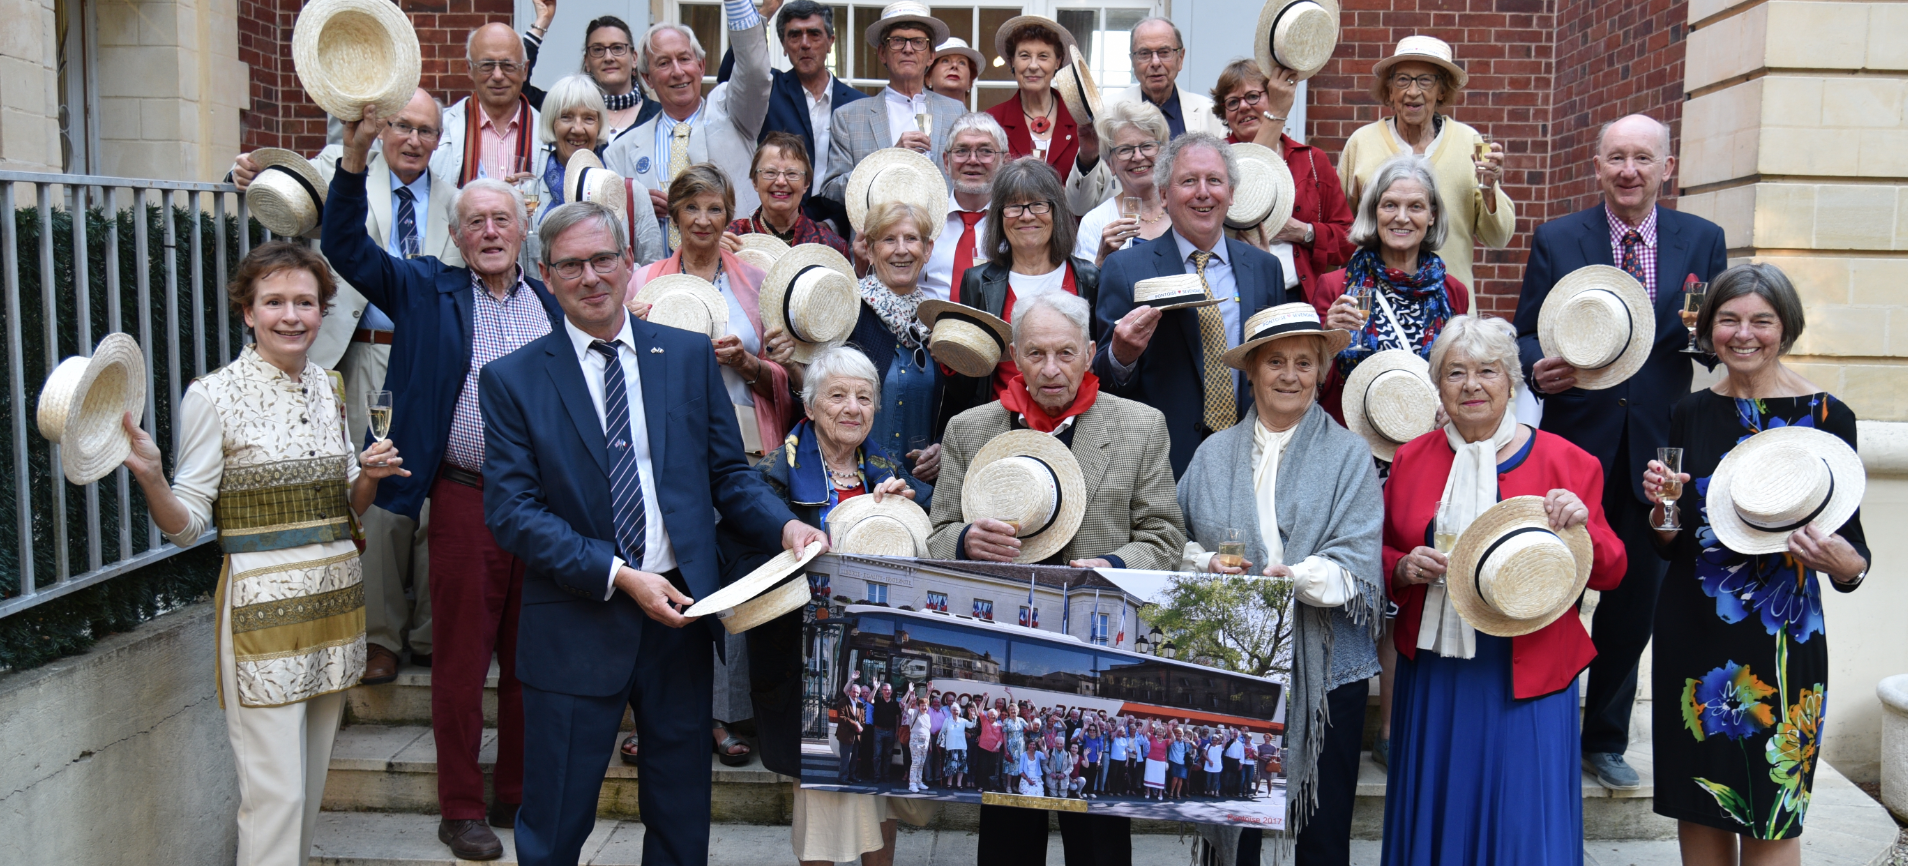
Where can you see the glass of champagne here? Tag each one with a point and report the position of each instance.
(1483, 149)
(1444, 534)
(377, 406)
(1672, 460)
(532, 196)
(1361, 295)
(924, 121)
(1232, 549)
(1693, 296)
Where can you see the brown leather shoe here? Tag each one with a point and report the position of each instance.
(501, 814)
(380, 665)
(469, 839)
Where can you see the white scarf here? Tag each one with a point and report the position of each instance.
(1267, 446)
(1469, 491)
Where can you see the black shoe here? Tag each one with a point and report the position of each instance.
(469, 839)
(502, 815)
(422, 660)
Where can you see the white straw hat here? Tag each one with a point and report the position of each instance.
(1031, 478)
(761, 250)
(895, 526)
(1265, 193)
(1174, 292)
(1424, 49)
(83, 401)
(1299, 35)
(810, 293)
(896, 174)
(1599, 320)
(902, 11)
(1286, 320)
(685, 301)
(957, 45)
(1002, 50)
(351, 52)
(585, 179)
(288, 194)
(1389, 400)
(1511, 574)
(1074, 83)
(970, 341)
(1797, 476)
(762, 594)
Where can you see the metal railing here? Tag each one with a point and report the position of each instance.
(103, 254)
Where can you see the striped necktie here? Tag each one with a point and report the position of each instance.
(407, 222)
(626, 484)
(1222, 407)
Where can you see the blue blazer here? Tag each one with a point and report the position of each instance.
(547, 497)
(1170, 374)
(430, 303)
(1637, 411)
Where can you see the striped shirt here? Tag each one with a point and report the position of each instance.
(498, 327)
(1645, 251)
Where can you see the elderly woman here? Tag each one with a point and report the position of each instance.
(1133, 131)
(1313, 240)
(781, 171)
(1459, 690)
(1726, 617)
(262, 444)
(891, 333)
(572, 119)
(1311, 513)
(1037, 122)
(828, 461)
(1417, 81)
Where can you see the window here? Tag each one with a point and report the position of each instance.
(1099, 629)
(984, 609)
(1105, 37)
(1054, 668)
(877, 593)
(936, 601)
(1030, 616)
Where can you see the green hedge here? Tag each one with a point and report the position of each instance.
(71, 623)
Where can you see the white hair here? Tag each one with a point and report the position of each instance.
(839, 362)
(1484, 339)
(1404, 166)
(976, 121)
(494, 185)
(1073, 307)
(572, 92)
(649, 37)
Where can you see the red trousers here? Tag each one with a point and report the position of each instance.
(476, 590)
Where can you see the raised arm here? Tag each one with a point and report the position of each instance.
(748, 91)
(357, 258)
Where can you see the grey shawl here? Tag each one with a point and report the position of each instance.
(1330, 506)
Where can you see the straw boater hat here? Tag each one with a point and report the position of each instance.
(1299, 35)
(1285, 320)
(81, 404)
(1389, 400)
(761, 250)
(957, 45)
(1001, 50)
(810, 293)
(351, 52)
(1265, 193)
(762, 594)
(896, 174)
(895, 526)
(1074, 83)
(1424, 49)
(1029, 477)
(1175, 292)
(288, 194)
(907, 10)
(969, 341)
(585, 179)
(1599, 320)
(1511, 574)
(1791, 477)
(686, 301)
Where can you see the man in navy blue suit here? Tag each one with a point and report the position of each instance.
(1172, 361)
(579, 425)
(1621, 426)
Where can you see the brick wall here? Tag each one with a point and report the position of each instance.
(282, 116)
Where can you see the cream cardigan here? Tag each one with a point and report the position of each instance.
(1470, 224)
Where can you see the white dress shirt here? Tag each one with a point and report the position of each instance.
(901, 112)
(658, 555)
(821, 112)
(937, 278)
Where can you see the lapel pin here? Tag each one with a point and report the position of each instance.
(655, 350)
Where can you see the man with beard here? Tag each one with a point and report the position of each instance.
(976, 149)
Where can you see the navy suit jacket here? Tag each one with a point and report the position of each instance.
(547, 497)
(1637, 411)
(1170, 374)
(430, 303)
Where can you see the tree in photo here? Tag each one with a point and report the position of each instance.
(1242, 623)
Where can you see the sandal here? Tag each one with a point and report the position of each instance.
(730, 759)
(628, 750)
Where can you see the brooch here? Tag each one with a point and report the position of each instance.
(642, 165)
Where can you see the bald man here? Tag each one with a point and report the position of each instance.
(492, 132)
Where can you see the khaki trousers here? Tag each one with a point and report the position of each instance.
(396, 549)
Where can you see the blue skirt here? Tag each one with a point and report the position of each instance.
(1478, 777)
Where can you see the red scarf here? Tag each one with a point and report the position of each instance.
(1016, 398)
(474, 147)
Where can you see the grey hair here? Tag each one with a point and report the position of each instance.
(494, 185)
(1486, 339)
(976, 121)
(1662, 132)
(1404, 166)
(575, 91)
(1179, 39)
(470, 46)
(841, 361)
(572, 214)
(1137, 113)
(1169, 158)
(1073, 307)
(649, 36)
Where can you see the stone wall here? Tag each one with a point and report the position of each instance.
(29, 79)
(171, 87)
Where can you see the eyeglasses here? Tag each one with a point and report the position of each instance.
(405, 130)
(970, 153)
(1037, 208)
(1126, 151)
(603, 264)
(503, 222)
(915, 43)
(1250, 97)
(1423, 83)
(487, 68)
(618, 49)
(793, 175)
(1160, 54)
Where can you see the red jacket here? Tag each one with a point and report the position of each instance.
(1319, 199)
(1546, 660)
(1329, 288)
(1062, 149)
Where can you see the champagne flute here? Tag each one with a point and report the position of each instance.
(532, 196)
(1130, 207)
(1232, 549)
(1483, 148)
(924, 121)
(377, 404)
(1361, 295)
(1444, 534)
(1693, 297)
(1672, 460)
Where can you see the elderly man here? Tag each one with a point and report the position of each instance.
(976, 149)
(1621, 426)
(579, 425)
(492, 132)
(904, 38)
(1132, 518)
(450, 321)
(1158, 54)
(690, 129)
(1173, 361)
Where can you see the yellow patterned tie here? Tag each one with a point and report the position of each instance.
(1222, 408)
(678, 163)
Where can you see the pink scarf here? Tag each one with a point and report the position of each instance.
(774, 410)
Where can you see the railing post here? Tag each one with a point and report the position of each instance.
(77, 196)
(142, 285)
(16, 375)
(50, 307)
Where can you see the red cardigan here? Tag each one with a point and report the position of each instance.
(1546, 660)
(1328, 289)
(1064, 147)
(1319, 200)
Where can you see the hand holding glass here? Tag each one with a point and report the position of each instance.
(1232, 549)
(1444, 533)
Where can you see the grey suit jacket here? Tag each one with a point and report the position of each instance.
(861, 128)
(1132, 506)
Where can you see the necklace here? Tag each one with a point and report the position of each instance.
(761, 224)
(1042, 123)
(844, 479)
(1155, 220)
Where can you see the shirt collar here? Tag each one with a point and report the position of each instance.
(954, 207)
(419, 186)
(1618, 226)
(894, 95)
(827, 96)
(477, 282)
(1170, 107)
(1186, 249)
(508, 126)
(581, 341)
